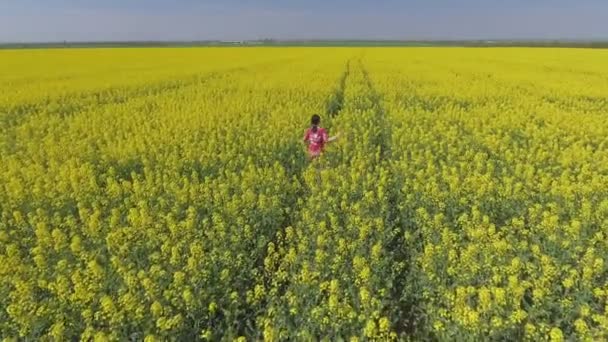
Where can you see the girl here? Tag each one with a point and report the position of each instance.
(316, 137)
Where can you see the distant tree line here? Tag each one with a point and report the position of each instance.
(274, 42)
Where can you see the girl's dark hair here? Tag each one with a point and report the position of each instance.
(315, 120)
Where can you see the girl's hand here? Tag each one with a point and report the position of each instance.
(334, 138)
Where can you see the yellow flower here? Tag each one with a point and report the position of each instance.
(370, 329)
(156, 309)
(384, 324)
(57, 330)
(518, 316)
(485, 299)
(556, 335)
(499, 295)
(530, 330)
(364, 295)
(333, 302)
(438, 326)
(259, 292)
(472, 317)
(187, 296)
(150, 338)
(538, 293)
(581, 327)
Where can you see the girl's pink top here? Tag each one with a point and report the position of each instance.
(316, 140)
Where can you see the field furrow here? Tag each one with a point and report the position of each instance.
(333, 276)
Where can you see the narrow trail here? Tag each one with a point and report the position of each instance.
(269, 263)
(345, 218)
(334, 106)
(336, 101)
(347, 221)
(401, 309)
(402, 302)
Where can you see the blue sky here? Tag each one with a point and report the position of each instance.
(88, 20)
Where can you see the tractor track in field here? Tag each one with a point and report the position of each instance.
(402, 302)
(403, 311)
(333, 108)
(336, 102)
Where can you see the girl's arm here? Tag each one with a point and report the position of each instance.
(334, 138)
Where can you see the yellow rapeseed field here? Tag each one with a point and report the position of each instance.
(165, 194)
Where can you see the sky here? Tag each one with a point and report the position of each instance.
(128, 20)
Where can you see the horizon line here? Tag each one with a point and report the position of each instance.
(310, 40)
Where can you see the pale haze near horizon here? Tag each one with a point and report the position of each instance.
(154, 20)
